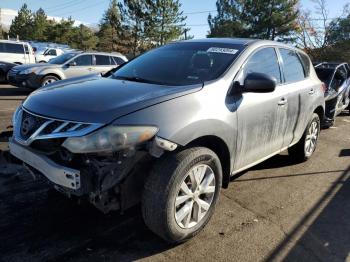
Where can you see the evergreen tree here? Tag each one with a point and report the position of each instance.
(83, 38)
(165, 21)
(22, 24)
(135, 13)
(266, 19)
(40, 25)
(111, 29)
(60, 32)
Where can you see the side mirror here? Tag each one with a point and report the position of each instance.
(259, 83)
(72, 64)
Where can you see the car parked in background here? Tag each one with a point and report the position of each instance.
(336, 77)
(65, 66)
(5, 67)
(16, 52)
(48, 54)
(169, 128)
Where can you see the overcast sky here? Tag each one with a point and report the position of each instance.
(91, 11)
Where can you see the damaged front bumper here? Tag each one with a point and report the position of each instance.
(57, 174)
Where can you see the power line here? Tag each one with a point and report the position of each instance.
(200, 12)
(80, 9)
(66, 6)
(61, 4)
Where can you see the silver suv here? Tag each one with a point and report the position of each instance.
(169, 128)
(65, 66)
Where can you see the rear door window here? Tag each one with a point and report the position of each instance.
(102, 60)
(264, 61)
(26, 48)
(292, 66)
(84, 60)
(306, 63)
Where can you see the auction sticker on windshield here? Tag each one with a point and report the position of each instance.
(222, 50)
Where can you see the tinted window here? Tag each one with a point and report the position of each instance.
(83, 60)
(118, 60)
(59, 60)
(11, 48)
(306, 63)
(292, 67)
(264, 61)
(102, 60)
(182, 63)
(52, 52)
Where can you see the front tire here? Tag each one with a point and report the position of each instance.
(48, 80)
(304, 149)
(181, 193)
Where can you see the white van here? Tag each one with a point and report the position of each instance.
(16, 52)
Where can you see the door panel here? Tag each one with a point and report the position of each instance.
(83, 67)
(261, 116)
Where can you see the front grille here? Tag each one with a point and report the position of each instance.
(30, 127)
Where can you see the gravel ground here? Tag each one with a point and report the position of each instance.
(277, 211)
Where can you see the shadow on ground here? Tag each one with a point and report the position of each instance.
(327, 234)
(8, 92)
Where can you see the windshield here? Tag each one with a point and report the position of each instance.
(59, 60)
(183, 63)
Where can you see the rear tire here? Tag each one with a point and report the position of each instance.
(165, 203)
(306, 146)
(49, 80)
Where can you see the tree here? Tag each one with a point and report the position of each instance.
(40, 25)
(60, 32)
(324, 39)
(22, 24)
(135, 13)
(165, 21)
(266, 19)
(111, 29)
(83, 38)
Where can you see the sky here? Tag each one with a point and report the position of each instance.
(90, 11)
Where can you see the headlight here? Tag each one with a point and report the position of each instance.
(110, 138)
(28, 71)
(15, 116)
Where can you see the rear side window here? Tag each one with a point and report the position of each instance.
(292, 67)
(102, 60)
(306, 63)
(118, 60)
(84, 60)
(264, 61)
(11, 48)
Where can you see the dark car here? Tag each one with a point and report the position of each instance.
(169, 128)
(5, 67)
(336, 77)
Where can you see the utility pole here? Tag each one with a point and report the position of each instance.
(185, 32)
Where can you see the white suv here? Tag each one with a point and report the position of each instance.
(16, 52)
(48, 54)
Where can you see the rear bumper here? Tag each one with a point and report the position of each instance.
(57, 174)
(31, 80)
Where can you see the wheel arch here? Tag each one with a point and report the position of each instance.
(220, 148)
(52, 74)
(320, 112)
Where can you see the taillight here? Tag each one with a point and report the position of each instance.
(324, 87)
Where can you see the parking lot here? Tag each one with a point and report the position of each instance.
(278, 210)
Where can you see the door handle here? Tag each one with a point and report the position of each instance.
(312, 91)
(282, 102)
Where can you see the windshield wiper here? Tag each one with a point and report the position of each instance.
(138, 79)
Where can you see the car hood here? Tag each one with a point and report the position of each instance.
(100, 100)
(39, 65)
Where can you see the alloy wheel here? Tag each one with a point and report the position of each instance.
(311, 138)
(195, 196)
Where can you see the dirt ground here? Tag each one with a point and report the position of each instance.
(277, 211)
